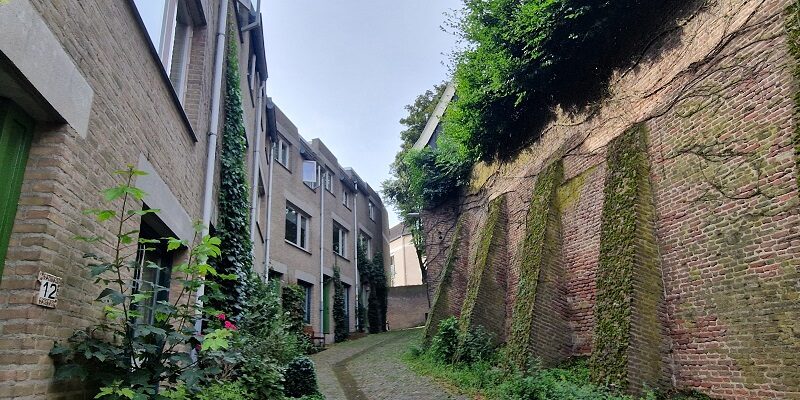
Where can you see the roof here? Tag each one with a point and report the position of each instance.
(433, 121)
(398, 230)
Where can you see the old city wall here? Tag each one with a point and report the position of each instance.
(657, 231)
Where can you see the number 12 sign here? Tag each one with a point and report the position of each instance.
(48, 290)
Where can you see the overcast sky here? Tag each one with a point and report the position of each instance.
(343, 70)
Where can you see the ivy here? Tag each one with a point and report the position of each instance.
(481, 270)
(539, 234)
(233, 200)
(341, 328)
(440, 308)
(623, 221)
(293, 299)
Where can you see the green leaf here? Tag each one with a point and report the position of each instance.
(173, 243)
(217, 339)
(114, 296)
(144, 212)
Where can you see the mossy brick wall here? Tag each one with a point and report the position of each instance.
(535, 329)
(482, 306)
(442, 281)
(719, 98)
(627, 340)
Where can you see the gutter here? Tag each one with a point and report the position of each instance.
(256, 167)
(211, 155)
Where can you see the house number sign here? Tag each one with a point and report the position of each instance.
(48, 290)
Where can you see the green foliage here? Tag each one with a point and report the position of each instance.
(453, 344)
(234, 200)
(537, 233)
(341, 329)
(444, 345)
(419, 112)
(125, 356)
(226, 391)
(373, 273)
(301, 378)
(525, 58)
(476, 345)
(625, 159)
(293, 298)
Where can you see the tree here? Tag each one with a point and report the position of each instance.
(397, 190)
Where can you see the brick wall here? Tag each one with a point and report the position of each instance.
(408, 306)
(716, 98)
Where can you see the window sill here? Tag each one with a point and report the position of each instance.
(296, 246)
(284, 167)
(342, 257)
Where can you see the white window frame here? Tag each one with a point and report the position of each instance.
(327, 180)
(301, 224)
(342, 244)
(345, 198)
(282, 152)
(366, 241)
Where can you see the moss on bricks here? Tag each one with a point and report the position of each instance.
(793, 41)
(440, 306)
(627, 333)
(534, 256)
(482, 287)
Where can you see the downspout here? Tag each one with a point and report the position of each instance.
(256, 164)
(271, 129)
(321, 253)
(355, 251)
(213, 125)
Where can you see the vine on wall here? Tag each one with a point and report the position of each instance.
(627, 276)
(440, 305)
(482, 271)
(341, 329)
(537, 235)
(233, 200)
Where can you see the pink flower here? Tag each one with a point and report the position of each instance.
(198, 347)
(229, 325)
(221, 317)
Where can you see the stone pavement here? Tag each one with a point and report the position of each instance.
(372, 369)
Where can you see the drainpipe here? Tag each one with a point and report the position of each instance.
(256, 164)
(355, 250)
(321, 253)
(271, 128)
(211, 156)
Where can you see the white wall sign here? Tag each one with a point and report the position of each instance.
(48, 290)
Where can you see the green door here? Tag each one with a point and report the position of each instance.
(326, 308)
(15, 142)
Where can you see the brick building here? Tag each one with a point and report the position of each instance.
(674, 200)
(89, 86)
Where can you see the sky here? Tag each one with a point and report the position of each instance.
(342, 70)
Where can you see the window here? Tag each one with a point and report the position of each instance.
(347, 304)
(346, 198)
(327, 180)
(260, 203)
(371, 208)
(296, 227)
(365, 242)
(273, 275)
(308, 289)
(152, 275)
(170, 28)
(282, 152)
(339, 240)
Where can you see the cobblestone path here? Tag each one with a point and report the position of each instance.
(372, 369)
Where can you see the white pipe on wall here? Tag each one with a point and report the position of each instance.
(269, 210)
(321, 253)
(355, 250)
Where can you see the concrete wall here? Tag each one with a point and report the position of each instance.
(408, 306)
(405, 271)
(716, 99)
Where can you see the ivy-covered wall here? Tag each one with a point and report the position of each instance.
(793, 44)
(440, 304)
(627, 334)
(481, 304)
(540, 252)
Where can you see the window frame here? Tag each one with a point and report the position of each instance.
(346, 198)
(282, 151)
(308, 289)
(371, 209)
(302, 223)
(366, 241)
(342, 243)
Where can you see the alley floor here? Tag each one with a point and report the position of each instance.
(372, 369)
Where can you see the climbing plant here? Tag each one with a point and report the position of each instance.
(627, 166)
(440, 307)
(341, 329)
(538, 233)
(234, 202)
(381, 288)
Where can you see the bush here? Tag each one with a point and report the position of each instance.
(341, 326)
(293, 297)
(444, 345)
(225, 391)
(476, 345)
(301, 378)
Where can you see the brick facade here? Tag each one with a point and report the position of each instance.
(716, 98)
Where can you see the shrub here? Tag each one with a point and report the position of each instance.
(476, 345)
(293, 297)
(444, 345)
(341, 329)
(301, 378)
(226, 391)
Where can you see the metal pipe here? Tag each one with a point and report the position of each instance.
(256, 163)
(321, 253)
(355, 251)
(269, 208)
(213, 125)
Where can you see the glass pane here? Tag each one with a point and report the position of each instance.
(303, 228)
(152, 13)
(336, 239)
(291, 225)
